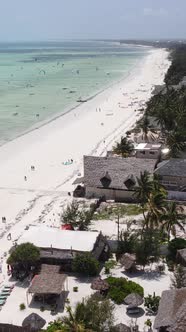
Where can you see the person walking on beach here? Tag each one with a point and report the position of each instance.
(25, 178)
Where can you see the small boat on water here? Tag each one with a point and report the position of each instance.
(80, 100)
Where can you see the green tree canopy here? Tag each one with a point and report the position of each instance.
(78, 218)
(25, 254)
(93, 314)
(85, 264)
(124, 147)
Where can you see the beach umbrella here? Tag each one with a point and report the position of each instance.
(133, 299)
(122, 328)
(128, 261)
(99, 284)
(34, 322)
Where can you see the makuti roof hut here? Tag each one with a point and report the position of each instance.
(171, 311)
(49, 282)
(133, 300)
(61, 246)
(113, 177)
(100, 284)
(128, 261)
(34, 322)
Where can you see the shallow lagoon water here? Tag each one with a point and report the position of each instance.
(40, 80)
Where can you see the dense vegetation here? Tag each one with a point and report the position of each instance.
(85, 264)
(178, 68)
(24, 256)
(78, 218)
(119, 288)
(93, 314)
(169, 110)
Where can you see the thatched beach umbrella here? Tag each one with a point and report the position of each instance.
(99, 284)
(133, 299)
(34, 322)
(122, 328)
(128, 261)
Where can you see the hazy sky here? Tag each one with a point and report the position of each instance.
(76, 19)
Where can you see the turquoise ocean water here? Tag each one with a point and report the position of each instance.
(48, 78)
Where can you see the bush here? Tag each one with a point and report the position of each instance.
(75, 289)
(121, 287)
(22, 306)
(42, 308)
(175, 245)
(85, 264)
(148, 322)
(109, 265)
(179, 277)
(152, 302)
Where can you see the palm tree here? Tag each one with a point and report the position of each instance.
(72, 322)
(147, 131)
(124, 147)
(155, 209)
(175, 143)
(143, 188)
(173, 218)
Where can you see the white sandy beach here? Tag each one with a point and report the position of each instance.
(82, 131)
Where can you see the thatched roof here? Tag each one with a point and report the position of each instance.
(45, 268)
(122, 328)
(49, 281)
(99, 284)
(78, 180)
(128, 260)
(172, 307)
(180, 322)
(133, 299)
(116, 169)
(34, 322)
(12, 328)
(172, 167)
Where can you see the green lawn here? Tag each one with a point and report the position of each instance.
(112, 211)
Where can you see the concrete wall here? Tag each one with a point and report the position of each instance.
(177, 195)
(148, 154)
(110, 194)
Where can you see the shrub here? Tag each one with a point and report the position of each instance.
(109, 265)
(175, 245)
(152, 302)
(179, 277)
(148, 322)
(75, 289)
(85, 264)
(42, 308)
(121, 287)
(22, 306)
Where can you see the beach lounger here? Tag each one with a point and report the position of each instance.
(2, 302)
(8, 286)
(3, 292)
(3, 297)
(8, 289)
